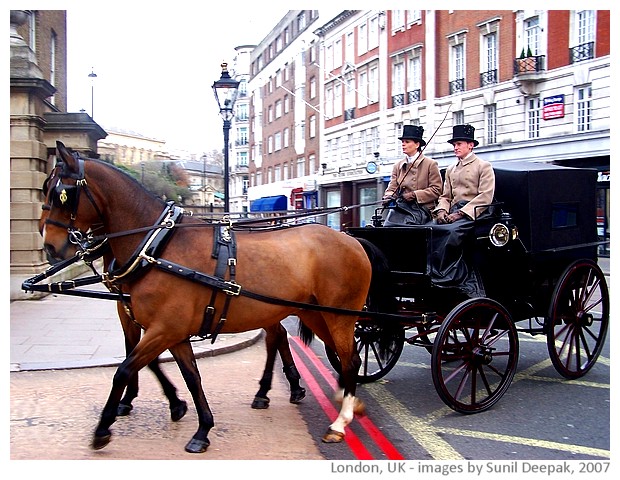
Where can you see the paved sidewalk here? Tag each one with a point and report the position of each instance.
(65, 331)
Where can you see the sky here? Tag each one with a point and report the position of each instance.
(155, 66)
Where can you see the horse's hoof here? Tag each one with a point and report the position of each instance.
(178, 412)
(100, 441)
(332, 436)
(298, 395)
(123, 410)
(359, 408)
(260, 403)
(197, 446)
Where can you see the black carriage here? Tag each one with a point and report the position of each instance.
(535, 253)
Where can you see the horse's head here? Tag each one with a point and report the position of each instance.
(69, 210)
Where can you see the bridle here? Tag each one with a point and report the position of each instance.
(67, 196)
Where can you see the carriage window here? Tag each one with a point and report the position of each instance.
(563, 215)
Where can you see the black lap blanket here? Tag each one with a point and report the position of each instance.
(449, 264)
(406, 213)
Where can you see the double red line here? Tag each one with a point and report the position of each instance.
(355, 443)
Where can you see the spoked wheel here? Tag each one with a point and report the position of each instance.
(475, 355)
(578, 319)
(379, 349)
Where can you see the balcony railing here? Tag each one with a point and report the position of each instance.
(488, 78)
(413, 96)
(457, 86)
(349, 114)
(582, 52)
(529, 64)
(398, 100)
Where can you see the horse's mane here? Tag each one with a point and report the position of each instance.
(125, 174)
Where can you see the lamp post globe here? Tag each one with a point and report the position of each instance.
(225, 90)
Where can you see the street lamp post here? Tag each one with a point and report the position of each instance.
(92, 75)
(225, 90)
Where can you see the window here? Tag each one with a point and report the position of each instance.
(491, 123)
(533, 117)
(373, 85)
(414, 16)
(457, 68)
(300, 167)
(488, 59)
(532, 35)
(242, 135)
(349, 52)
(585, 26)
(301, 21)
(373, 33)
(414, 78)
(285, 137)
(287, 102)
(337, 53)
(362, 38)
(583, 108)
(242, 159)
(458, 117)
(398, 84)
(368, 195)
(277, 140)
(398, 20)
(362, 90)
(278, 108)
(277, 173)
(312, 126)
(329, 102)
(398, 130)
(270, 114)
(312, 87)
(338, 100)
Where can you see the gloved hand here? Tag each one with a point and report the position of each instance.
(442, 217)
(409, 196)
(388, 200)
(453, 217)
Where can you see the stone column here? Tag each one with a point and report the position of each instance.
(28, 157)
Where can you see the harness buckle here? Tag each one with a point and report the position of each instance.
(233, 288)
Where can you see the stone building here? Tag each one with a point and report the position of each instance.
(38, 118)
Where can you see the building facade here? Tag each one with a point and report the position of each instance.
(535, 85)
(285, 114)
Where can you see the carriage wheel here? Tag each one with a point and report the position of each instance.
(475, 355)
(379, 349)
(578, 319)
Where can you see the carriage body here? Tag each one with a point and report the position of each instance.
(541, 279)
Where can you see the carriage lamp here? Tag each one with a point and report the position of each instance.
(225, 90)
(499, 235)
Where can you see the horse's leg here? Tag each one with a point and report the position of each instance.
(132, 332)
(150, 346)
(184, 355)
(178, 407)
(261, 400)
(298, 393)
(338, 334)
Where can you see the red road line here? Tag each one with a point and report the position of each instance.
(355, 444)
(373, 431)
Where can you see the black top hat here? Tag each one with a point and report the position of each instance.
(464, 133)
(413, 132)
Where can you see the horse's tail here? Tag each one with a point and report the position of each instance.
(380, 299)
(305, 333)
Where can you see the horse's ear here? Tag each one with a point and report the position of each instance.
(66, 157)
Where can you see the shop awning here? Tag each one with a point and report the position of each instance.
(269, 204)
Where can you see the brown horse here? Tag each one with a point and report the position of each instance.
(276, 341)
(316, 273)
